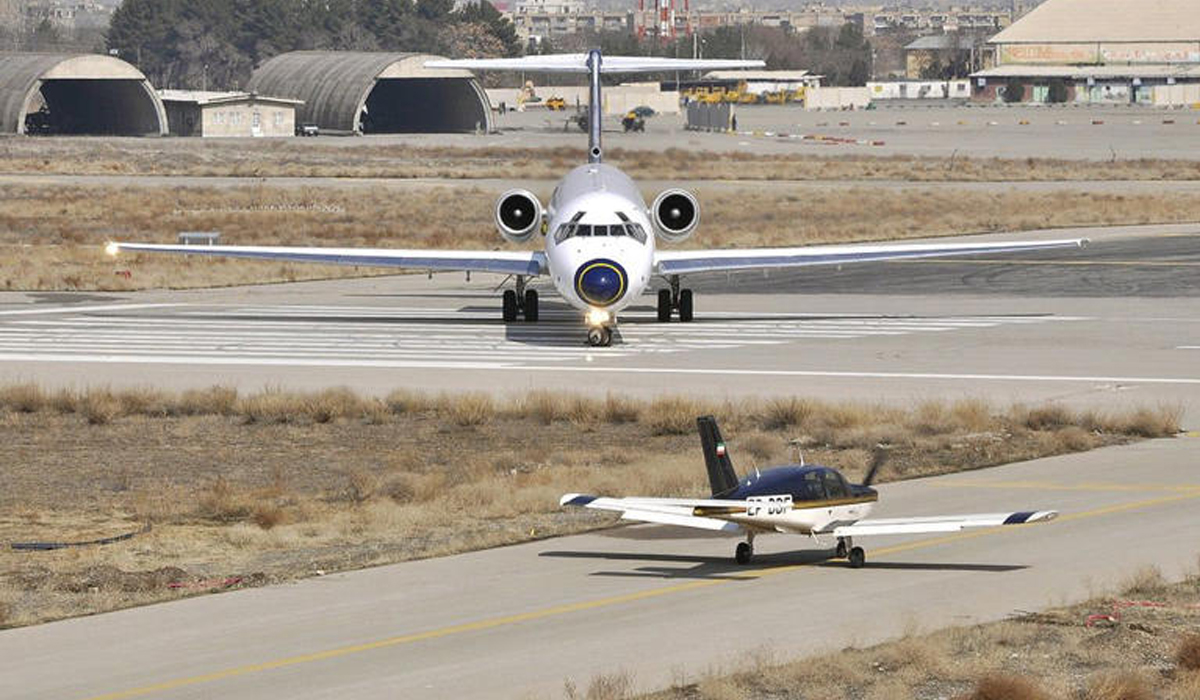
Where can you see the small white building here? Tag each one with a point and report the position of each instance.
(228, 114)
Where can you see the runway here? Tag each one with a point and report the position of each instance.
(1112, 325)
(660, 604)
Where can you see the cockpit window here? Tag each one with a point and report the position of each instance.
(810, 489)
(573, 228)
(834, 486)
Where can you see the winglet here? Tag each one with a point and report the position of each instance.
(1027, 517)
(575, 499)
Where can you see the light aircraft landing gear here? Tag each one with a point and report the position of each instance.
(520, 300)
(675, 299)
(846, 550)
(745, 551)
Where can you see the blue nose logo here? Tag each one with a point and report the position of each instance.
(600, 282)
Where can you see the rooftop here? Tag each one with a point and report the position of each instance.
(208, 97)
(1083, 21)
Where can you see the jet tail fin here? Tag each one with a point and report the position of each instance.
(721, 475)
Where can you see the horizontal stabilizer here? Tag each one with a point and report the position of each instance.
(577, 63)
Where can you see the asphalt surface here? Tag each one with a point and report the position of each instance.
(1115, 324)
(658, 604)
(935, 129)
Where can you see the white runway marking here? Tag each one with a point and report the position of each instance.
(372, 336)
(80, 309)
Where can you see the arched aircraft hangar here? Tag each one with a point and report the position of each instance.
(78, 94)
(375, 92)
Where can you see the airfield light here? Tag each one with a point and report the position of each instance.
(112, 248)
(598, 317)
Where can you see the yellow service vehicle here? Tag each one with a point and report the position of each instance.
(556, 104)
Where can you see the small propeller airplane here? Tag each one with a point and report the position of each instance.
(599, 250)
(798, 499)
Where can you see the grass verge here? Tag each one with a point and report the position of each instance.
(371, 158)
(244, 489)
(1142, 653)
(54, 235)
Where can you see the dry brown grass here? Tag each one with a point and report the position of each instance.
(1119, 686)
(277, 484)
(371, 158)
(53, 236)
(1054, 655)
(1188, 654)
(1003, 686)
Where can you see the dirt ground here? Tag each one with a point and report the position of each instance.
(219, 490)
(1139, 643)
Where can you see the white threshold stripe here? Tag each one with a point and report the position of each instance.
(465, 322)
(82, 309)
(1188, 347)
(315, 362)
(342, 329)
(441, 340)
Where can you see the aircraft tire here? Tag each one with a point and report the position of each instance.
(744, 553)
(510, 306)
(664, 305)
(685, 305)
(858, 557)
(531, 305)
(599, 337)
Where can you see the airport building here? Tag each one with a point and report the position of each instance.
(79, 94)
(352, 92)
(228, 114)
(1098, 51)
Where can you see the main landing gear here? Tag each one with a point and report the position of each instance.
(674, 299)
(855, 555)
(745, 550)
(520, 301)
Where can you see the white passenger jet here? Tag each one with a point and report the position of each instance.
(796, 499)
(599, 250)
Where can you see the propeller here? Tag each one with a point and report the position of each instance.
(880, 456)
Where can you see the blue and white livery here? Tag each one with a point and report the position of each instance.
(800, 499)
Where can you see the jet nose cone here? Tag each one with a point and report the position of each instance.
(600, 282)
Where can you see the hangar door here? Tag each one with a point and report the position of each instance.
(93, 107)
(423, 105)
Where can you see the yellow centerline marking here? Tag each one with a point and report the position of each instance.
(1050, 486)
(507, 620)
(1112, 263)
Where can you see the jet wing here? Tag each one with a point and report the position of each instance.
(529, 263)
(943, 523)
(686, 261)
(578, 63)
(665, 511)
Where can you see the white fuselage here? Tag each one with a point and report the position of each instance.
(804, 519)
(602, 271)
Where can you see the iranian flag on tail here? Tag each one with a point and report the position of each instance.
(720, 449)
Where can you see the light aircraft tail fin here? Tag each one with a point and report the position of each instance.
(721, 475)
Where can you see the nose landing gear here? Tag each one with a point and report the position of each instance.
(599, 336)
(675, 299)
(520, 301)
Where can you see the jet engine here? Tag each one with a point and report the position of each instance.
(675, 214)
(518, 215)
